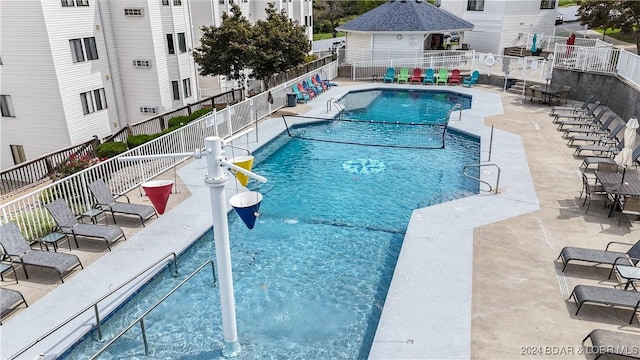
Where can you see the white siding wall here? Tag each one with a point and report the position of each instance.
(501, 21)
(386, 45)
(28, 76)
(63, 24)
(358, 47)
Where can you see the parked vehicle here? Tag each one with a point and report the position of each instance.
(559, 18)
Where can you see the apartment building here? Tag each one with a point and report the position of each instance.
(502, 23)
(74, 69)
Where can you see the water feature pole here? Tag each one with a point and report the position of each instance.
(216, 179)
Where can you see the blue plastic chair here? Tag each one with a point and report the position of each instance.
(299, 96)
(429, 77)
(472, 79)
(390, 76)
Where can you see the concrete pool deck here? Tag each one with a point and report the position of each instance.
(476, 277)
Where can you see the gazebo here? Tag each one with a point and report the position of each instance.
(400, 29)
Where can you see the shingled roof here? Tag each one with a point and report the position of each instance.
(406, 16)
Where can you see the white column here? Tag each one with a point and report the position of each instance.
(216, 180)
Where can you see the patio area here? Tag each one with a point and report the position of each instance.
(519, 295)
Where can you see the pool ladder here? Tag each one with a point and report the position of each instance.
(454, 108)
(492, 189)
(140, 319)
(331, 102)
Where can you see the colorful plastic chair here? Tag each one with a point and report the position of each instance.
(403, 76)
(300, 96)
(455, 77)
(472, 79)
(416, 76)
(429, 76)
(443, 76)
(389, 76)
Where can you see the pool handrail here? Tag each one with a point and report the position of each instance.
(94, 305)
(491, 188)
(140, 319)
(333, 101)
(454, 108)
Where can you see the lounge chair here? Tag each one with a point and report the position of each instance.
(68, 224)
(586, 113)
(9, 300)
(608, 149)
(17, 248)
(403, 77)
(607, 342)
(582, 294)
(300, 96)
(416, 76)
(471, 80)
(594, 128)
(455, 77)
(107, 202)
(588, 161)
(610, 138)
(443, 76)
(574, 108)
(607, 257)
(429, 76)
(583, 119)
(389, 76)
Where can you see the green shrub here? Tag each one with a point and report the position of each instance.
(198, 113)
(137, 140)
(41, 222)
(178, 121)
(111, 149)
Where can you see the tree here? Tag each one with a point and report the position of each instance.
(278, 45)
(225, 50)
(620, 14)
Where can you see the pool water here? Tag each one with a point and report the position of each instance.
(312, 276)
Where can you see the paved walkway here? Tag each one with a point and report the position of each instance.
(519, 306)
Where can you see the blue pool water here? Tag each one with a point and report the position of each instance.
(312, 276)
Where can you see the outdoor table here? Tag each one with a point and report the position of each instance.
(548, 92)
(612, 184)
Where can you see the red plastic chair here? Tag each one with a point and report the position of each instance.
(416, 76)
(455, 77)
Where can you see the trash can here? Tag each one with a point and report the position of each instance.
(292, 100)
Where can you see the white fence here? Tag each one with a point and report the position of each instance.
(525, 68)
(34, 221)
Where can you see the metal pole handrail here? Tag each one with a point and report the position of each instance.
(95, 304)
(459, 108)
(140, 319)
(491, 189)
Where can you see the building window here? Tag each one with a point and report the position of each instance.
(142, 63)
(165, 2)
(18, 154)
(93, 101)
(177, 2)
(548, 4)
(172, 49)
(78, 51)
(176, 90)
(221, 1)
(148, 109)
(90, 48)
(6, 106)
(186, 84)
(66, 3)
(475, 5)
(182, 43)
(133, 12)
(82, 2)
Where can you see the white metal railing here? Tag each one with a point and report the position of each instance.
(34, 220)
(586, 59)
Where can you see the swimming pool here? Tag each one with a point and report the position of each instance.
(311, 277)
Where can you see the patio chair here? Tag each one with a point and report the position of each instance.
(605, 257)
(10, 300)
(403, 76)
(389, 76)
(471, 80)
(573, 108)
(429, 76)
(617, 343)
(18, 250)
(593, 128)
(305, 87)
(416, 76)
(455, 77)
(589, 190)
(443, 76)
(582, 294)
(107, 202)
(318, 83)
(68, 224)
(588, 161)
(581, 121)
(315, 88)
(608, 149)
(300, 96)
(326, 84)
(586, 113)
(628, 205)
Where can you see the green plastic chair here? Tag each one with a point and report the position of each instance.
(403, 76)
(443, 76)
